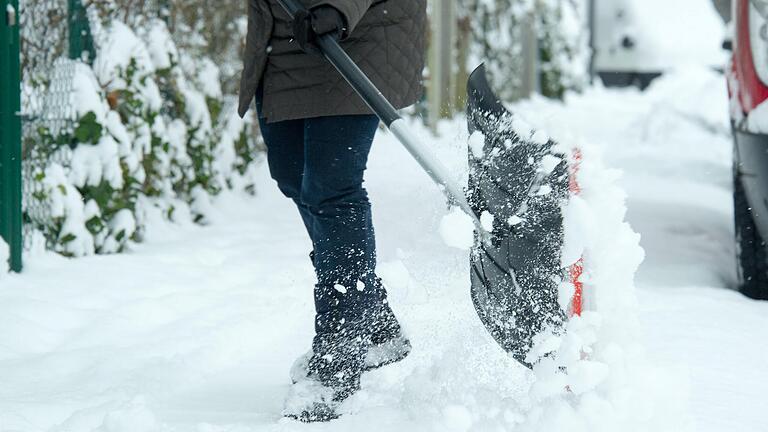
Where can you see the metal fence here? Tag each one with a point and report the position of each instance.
(10, 132)
(40, 44)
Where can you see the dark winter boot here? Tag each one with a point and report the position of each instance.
(387, 345)
(333, 374)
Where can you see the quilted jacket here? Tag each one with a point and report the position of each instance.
(386, 38)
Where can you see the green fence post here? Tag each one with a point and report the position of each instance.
(10, 132)
(80, 38)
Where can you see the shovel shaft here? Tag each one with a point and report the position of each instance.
(379, 104)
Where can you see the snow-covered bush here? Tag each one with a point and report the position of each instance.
(152, 128)
(203, 30)
(563, 46)
(498, 32)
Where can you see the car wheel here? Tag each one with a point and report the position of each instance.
(750, 248)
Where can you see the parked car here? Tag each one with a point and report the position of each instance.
(635, 41)
(748, 87)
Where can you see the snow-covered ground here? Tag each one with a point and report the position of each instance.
(195, 329)
(674, 148)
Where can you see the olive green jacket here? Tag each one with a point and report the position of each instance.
(386, 38)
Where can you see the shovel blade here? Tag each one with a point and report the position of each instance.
(520, 177)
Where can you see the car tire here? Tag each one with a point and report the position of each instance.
(750, 247)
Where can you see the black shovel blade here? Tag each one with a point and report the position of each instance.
(520, 178)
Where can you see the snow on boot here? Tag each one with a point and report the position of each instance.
(311, 401)
(300, 368)
(388, 352)
(387, 345)
(333, 374)
(383, 354)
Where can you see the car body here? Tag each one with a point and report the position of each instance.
(748, 89)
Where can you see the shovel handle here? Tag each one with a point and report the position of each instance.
(379, 104)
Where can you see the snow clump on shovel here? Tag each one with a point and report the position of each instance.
(457, 229)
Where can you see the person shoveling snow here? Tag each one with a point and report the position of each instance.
(318, 135)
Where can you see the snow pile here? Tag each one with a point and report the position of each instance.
(610, 385)
(693, 93)
(594, 375)
(757, 120)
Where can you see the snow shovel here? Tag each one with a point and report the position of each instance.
(521, 180)
(517, 180)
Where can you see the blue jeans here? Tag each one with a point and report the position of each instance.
(319, 164)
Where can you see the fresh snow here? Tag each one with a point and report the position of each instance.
(674, 148)
(486, 221)
(196, 329)
(160, 45)
(119, 48)
(476, 144)
(458, 229)
(86, 93)
(756, 119)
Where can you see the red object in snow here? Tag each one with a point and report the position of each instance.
(577, 269)
(752, 91)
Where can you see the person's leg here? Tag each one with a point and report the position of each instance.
(285, 157)
(336, 153)
(350, 300)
